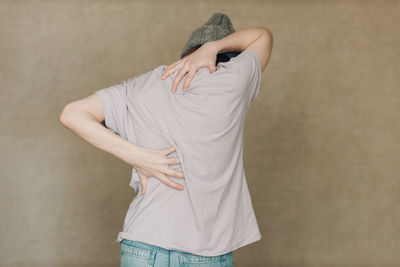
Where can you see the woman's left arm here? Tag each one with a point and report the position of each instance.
(83, 117)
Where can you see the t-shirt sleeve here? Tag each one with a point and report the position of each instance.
(114, 103)
(247, 65)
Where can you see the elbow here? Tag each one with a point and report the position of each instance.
(269, 41)
(66, 114)
(267, 31)
(268, 34)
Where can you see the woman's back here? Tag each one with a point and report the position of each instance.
(213, 215)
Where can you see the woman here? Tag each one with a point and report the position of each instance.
(200, 210)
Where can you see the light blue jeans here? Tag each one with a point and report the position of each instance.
(139, 254)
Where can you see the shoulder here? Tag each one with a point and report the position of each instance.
(246, 60)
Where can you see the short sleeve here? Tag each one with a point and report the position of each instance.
(114, 103)
(248, 67)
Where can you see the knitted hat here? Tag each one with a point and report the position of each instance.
(217, 27)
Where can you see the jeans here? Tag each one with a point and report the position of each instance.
(139, 254)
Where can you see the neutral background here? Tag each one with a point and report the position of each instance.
(322, 154)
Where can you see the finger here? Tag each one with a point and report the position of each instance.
(170, 69)
(168, 72)
(164, 179)
(212, 68)
(169, 150)
(171, 172)
(173, 161)
(144, 185)
(189, 78)
(143, 180)
(179, 77)
(173, 65)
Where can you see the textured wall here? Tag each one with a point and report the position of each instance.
(321, 141)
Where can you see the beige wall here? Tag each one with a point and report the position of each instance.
(321, 141)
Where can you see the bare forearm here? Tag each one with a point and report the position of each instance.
(88, 128)
(239, 40)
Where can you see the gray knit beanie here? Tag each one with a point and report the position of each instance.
(217, 27)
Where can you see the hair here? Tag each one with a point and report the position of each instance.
(221, 57)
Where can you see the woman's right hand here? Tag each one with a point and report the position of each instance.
(204, 56)
(155, 163)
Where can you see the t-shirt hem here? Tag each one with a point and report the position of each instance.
(168, 245)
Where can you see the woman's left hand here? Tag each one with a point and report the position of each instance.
(204, 56)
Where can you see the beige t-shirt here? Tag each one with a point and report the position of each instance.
(213, 215)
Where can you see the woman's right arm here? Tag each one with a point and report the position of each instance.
(257, 39)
